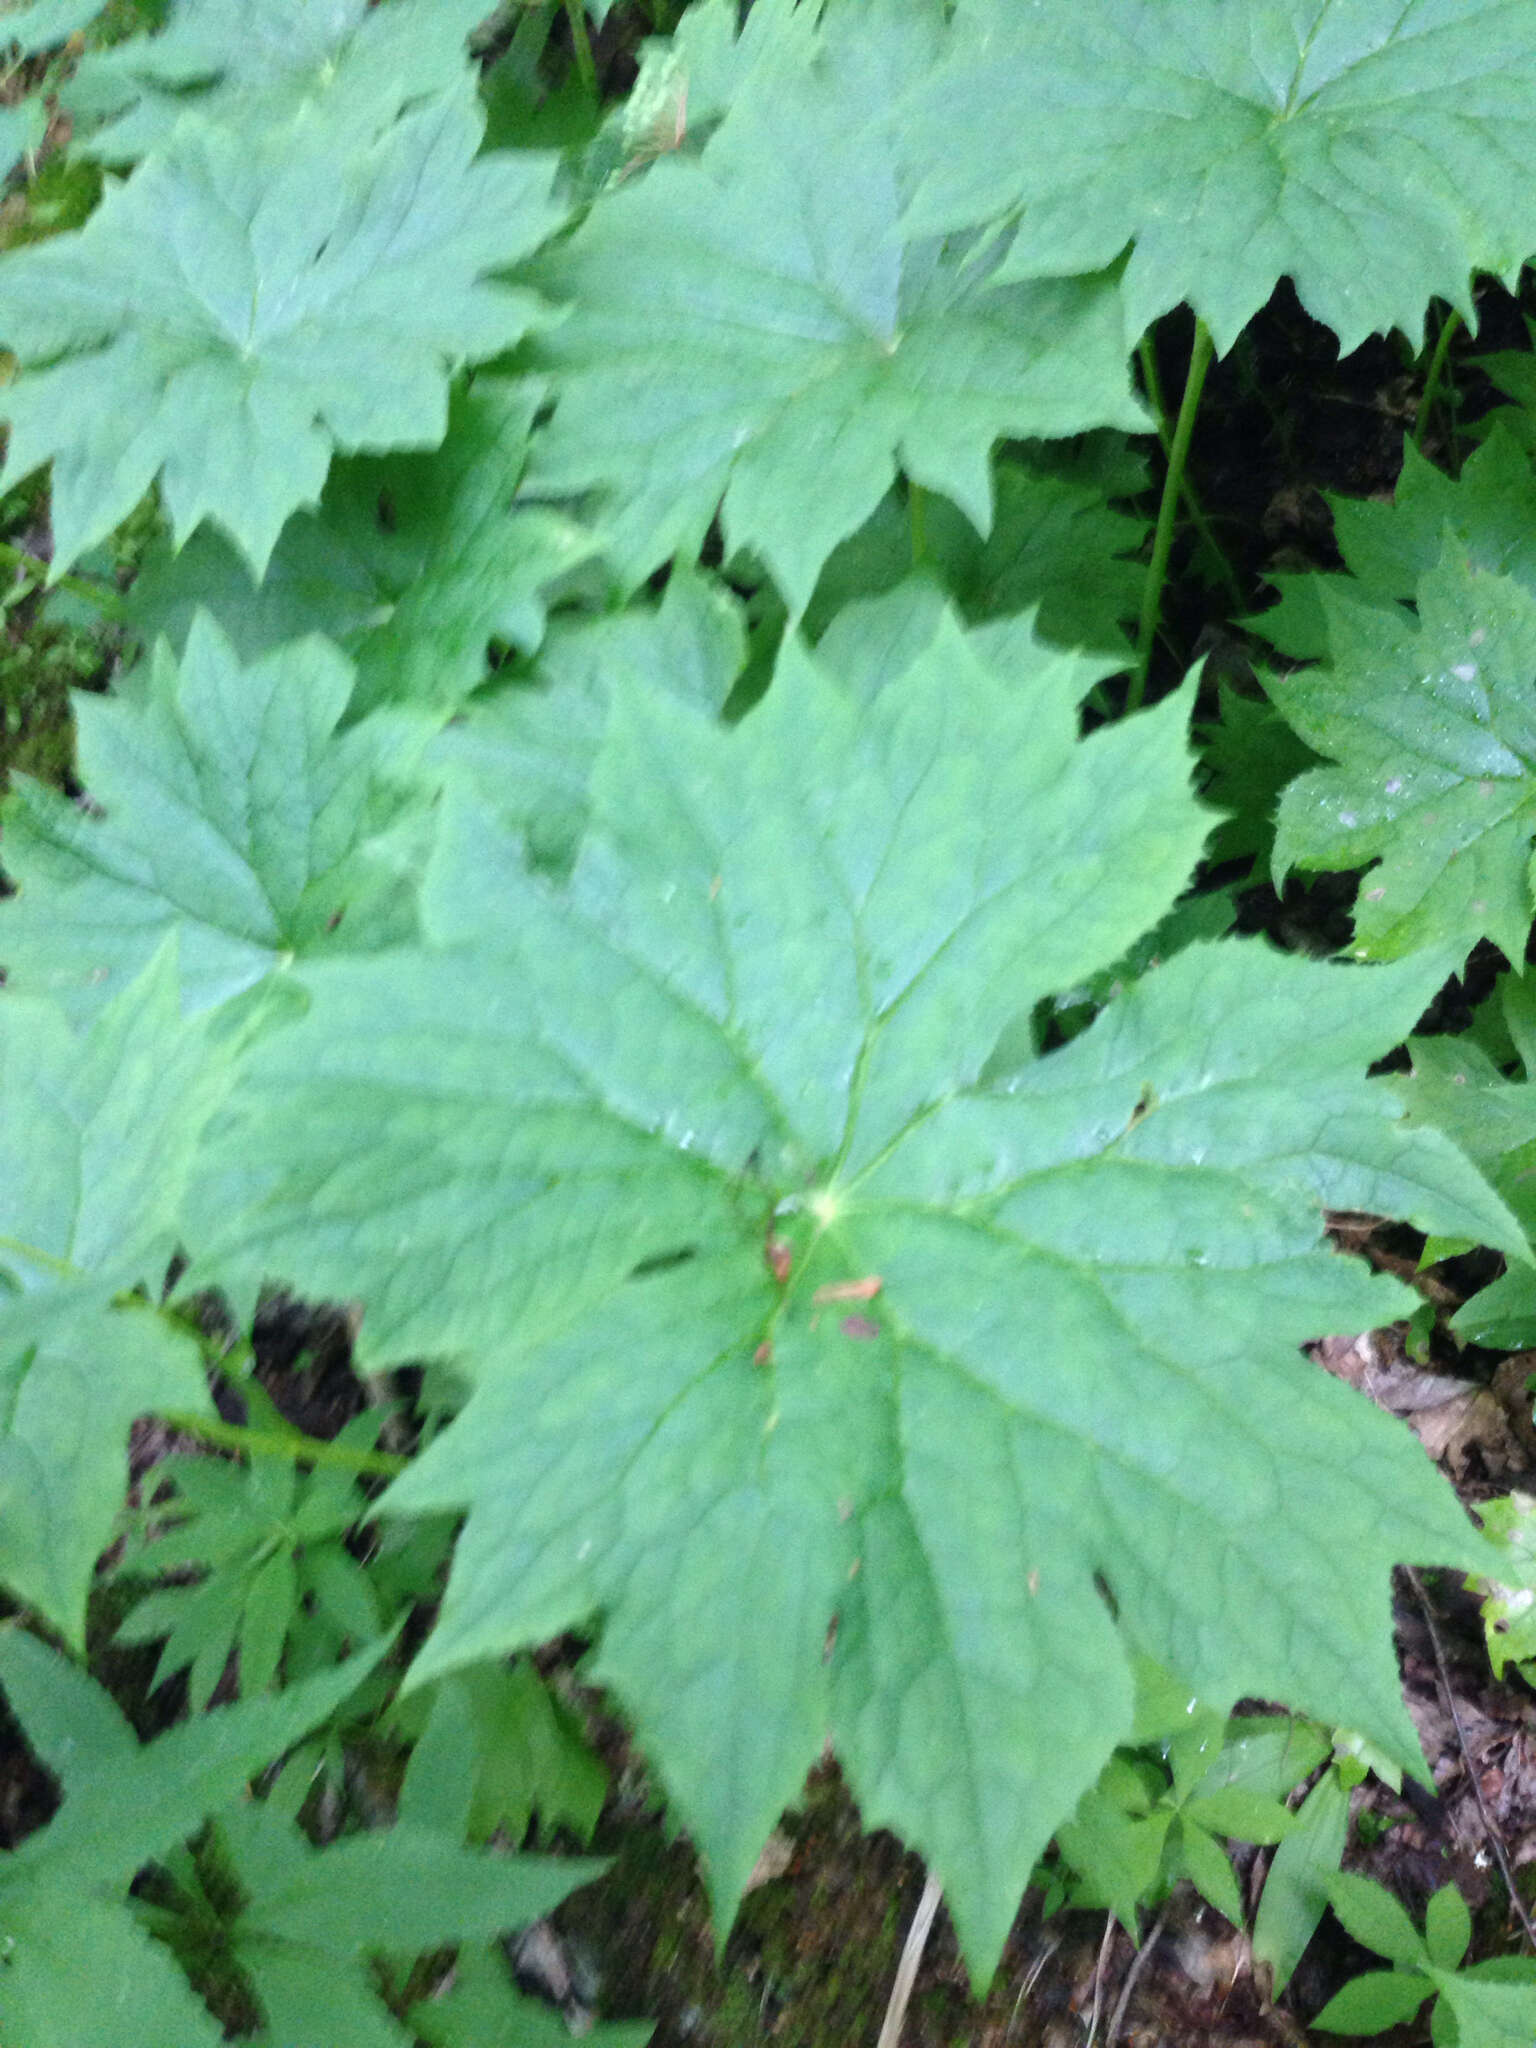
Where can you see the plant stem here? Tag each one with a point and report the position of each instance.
(1162, 538)
(1146, 355)
(911, 1960)
(108, 602)
(581, 43)
(18, 1248)
(295, 1446)
(917, 520)
(1450, 326)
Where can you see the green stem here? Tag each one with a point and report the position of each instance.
(1162, 538)
(18, 1248)
(295, 1446)
(917, 520)
(581, 43)
(107, 602)
(1450, 326)
(1147, 357)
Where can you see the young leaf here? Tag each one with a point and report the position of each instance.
(1373, 1916)
(235, 816)
(1430, 725)
(756, 327)
(1359, 150)
(413, 563)
(1447, 1928)
(1374, 2001)
(922, 1357)
(249, 301)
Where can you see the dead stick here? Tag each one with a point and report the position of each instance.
(911, 1958)
(1138, 1963)
(1490, 1829)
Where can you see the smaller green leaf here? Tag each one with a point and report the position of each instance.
(400, 1890)
(235, 815)
(1492, 2005)
(1245, 1815)
(111, 1824)
(22, 129)
(78, 1973)
(270, 1600)
(1447, 1928)
(482, 2008)
(1115, 1853)
(1295, 1894)
(1434, 790)
(412, 563)
(1371, 2003)
(1375, 1918)
(1193, 1853)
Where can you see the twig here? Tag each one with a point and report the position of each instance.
(298, 1448)
(1110, 1924)
(911, 1958)
(1138, 1963)
(1490, 1827)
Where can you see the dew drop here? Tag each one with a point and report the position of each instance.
(1348, 819)
(1465, 671)
(1394, 785)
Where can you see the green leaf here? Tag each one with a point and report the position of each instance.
(122, 1810)
(1055, 543)
(528, 750)
(1493, 2005)
(78, 1973)
(1430, 726)
(743, 1043)
(1193, 1854)
(413, 563)
(388, 1891)
(1360, 149)
(1490, 509)
(1374, 2001)
(22, 128)
(1116, 1854)
(97, 1131)
(249, 301)
(754, 331)
(45, 24)
(261, 64)
(235, 815)
(1295, 1894)
(74, 1375)
(1244, 1815)
(482, 2008)
(1373, 1916)
(495, 1749)
(1447, 1928)
(1455, 1089)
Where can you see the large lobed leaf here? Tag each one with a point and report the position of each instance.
(97, 1131)
(1370, 150)
(755, 331)
(236, 816)
(249, 301)
(1430, 724)
(782, 1319)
